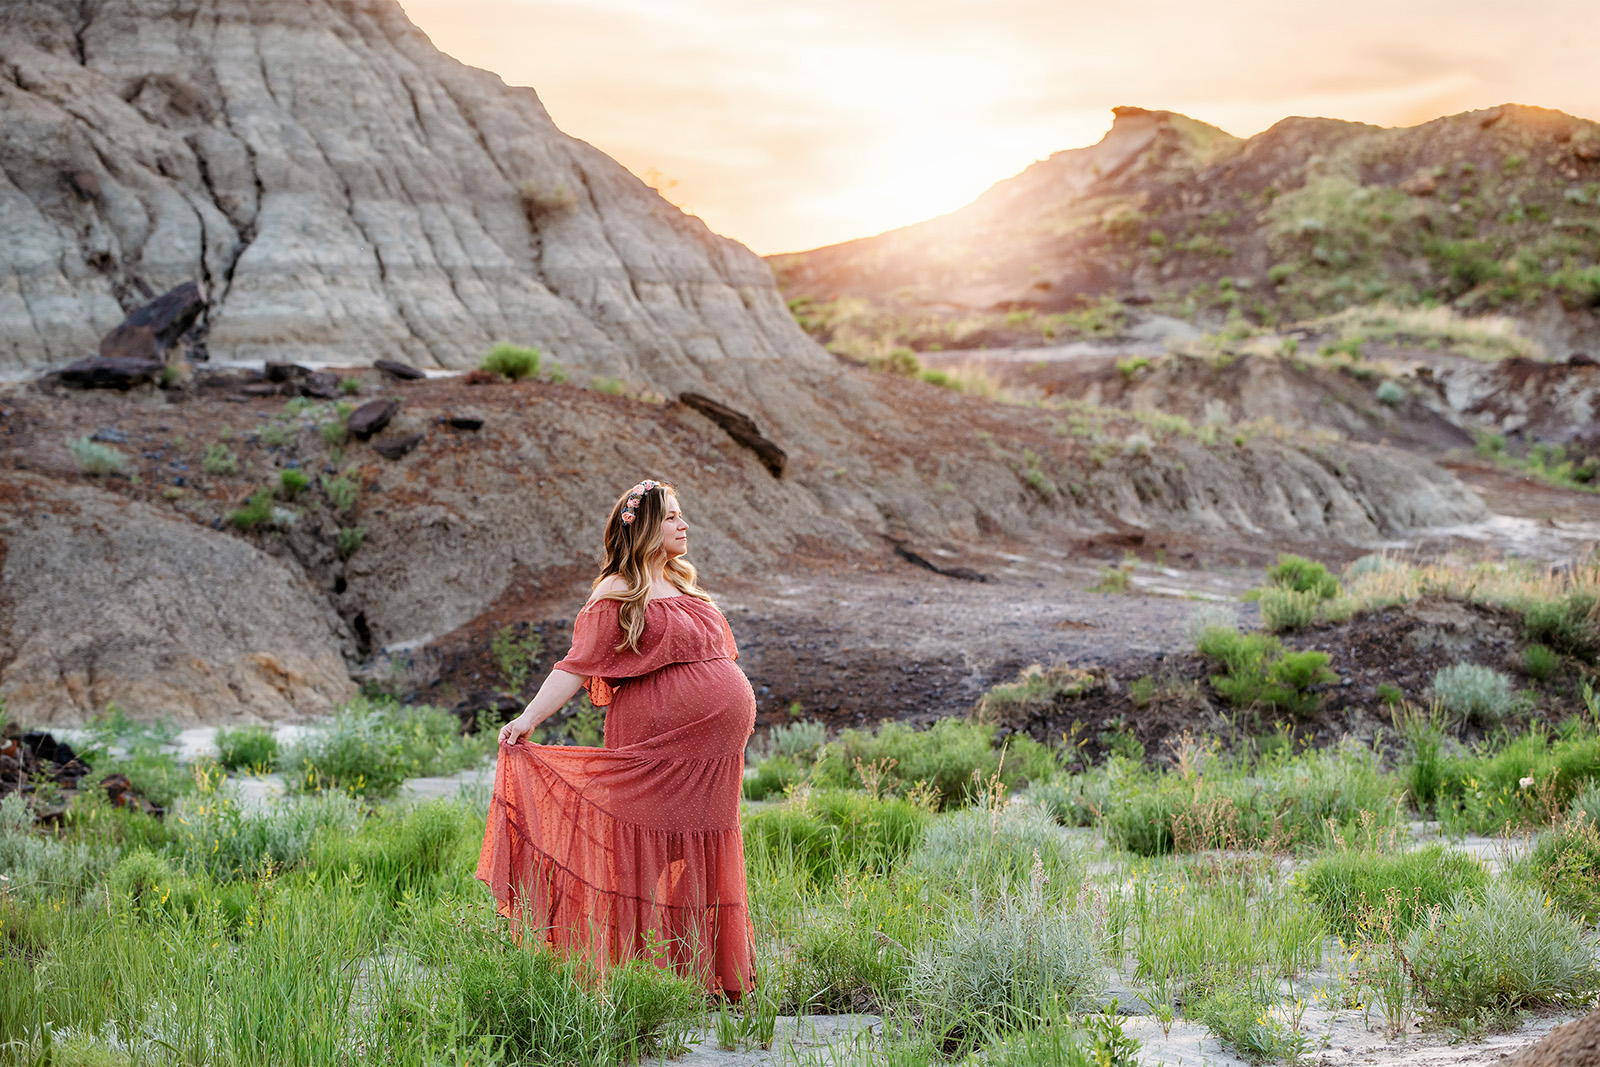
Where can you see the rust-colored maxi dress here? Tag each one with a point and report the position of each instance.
(634, 849)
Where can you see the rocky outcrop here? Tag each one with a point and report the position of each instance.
(104, 599)
(346, 193)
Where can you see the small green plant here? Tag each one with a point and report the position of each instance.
(349, 386)
(1287, 610)
(220, 460)
(350, 539)
(1565, 861)
(1303, 576)
(1540, 662)
(370, 747)
(1391, 392)
(292, 482)
(515, 656)
(1130, 367)
(252, 748)
(1480, 694)
(1112, 580)
(1390, 695)
(513, 362)
(343, 491)
(257, 510)
(602, 384)
(275, 434)
(94, 458)
(1260, 674)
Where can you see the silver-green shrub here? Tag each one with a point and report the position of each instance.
(796, 740)
(995, 849)
(1391, 392)
(1010, 961)
(217, 834)
(35, 865)
(1481, 694)
(95, 458)
(1502, 951)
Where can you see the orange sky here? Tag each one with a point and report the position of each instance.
(789, 124)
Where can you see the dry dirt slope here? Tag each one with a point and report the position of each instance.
(1495, 209)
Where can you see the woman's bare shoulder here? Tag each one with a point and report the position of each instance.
(612, 583)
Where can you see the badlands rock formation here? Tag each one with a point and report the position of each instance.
(103, 599)
(346, 193)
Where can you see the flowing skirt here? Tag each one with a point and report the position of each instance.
(633, 850)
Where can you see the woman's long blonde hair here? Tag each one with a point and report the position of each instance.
(629, 549)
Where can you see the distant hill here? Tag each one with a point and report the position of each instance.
(1495, 210)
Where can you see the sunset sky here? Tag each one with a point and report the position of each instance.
(789, 124)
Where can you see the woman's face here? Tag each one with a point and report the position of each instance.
(674, 531)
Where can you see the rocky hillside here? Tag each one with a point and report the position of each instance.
(1488, 210)
(321, 184)
(346, 192)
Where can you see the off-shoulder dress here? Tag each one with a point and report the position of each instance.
(633, 850)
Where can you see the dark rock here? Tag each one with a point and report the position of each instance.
(156, 327)
(465, 422)
(394, 368)
(1582, 359)
(44, 746)
(966, 574)
(395, 447)
(99, 372)
(741, 428)
(119, 790)
(283, 372)
(322, 385)
(371, 417)
(491, 707)
(110, 435)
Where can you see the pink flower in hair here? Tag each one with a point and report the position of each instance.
(627, 518)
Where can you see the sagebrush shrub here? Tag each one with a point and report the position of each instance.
(1009, 962)
(1481, 694)
(220, 460)
(954, 759)
(215, 834)
(370, 747)
(1287, 610)
(1499, 952)
(997, 848)
(43, 866)
(796, 740)
(95, 458)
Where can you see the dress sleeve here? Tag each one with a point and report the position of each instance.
(595, 637)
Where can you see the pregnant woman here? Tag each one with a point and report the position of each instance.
(633, 850)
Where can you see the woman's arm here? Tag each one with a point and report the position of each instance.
(557, 689)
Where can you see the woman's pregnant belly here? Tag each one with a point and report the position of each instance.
(702, 710)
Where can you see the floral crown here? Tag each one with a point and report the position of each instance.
(635, 495)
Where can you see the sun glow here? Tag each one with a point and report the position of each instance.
(793, 123)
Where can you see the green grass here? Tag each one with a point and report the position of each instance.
(220, 460)
(251, 748)
(369, 748)
(1349, 887)
(1484, 793)
(256, 512)
(513, 362)
(1259, 675)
